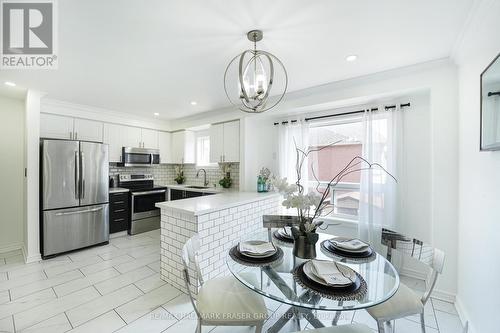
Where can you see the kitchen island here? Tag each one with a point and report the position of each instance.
(220, 220)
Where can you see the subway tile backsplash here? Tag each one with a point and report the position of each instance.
(165, 173)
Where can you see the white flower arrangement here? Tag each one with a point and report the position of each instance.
(311, 205)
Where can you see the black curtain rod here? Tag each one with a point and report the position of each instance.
(344, 114)
(493, 93)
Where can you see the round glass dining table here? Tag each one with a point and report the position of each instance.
(276, 281)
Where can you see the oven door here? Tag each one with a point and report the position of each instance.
(143, 203)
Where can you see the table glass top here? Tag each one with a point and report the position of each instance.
(276, 281)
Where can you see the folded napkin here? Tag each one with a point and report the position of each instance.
(286, 232)
(330, 273)
(350, 244)
(253, 248)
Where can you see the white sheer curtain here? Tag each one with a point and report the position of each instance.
(379, 202)
(289, 135)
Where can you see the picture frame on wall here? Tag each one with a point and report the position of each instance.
(490, 106)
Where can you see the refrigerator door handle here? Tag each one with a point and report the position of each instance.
(80, 211)
(77, 176)
(82, 175)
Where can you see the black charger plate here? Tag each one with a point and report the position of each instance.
(239, 257)
(354, 291)
(280, 237)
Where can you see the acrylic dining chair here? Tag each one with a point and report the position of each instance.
(406, 302)
(222, 301)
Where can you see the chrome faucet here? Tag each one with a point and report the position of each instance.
(205, 182)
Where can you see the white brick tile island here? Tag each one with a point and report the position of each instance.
(219, 220)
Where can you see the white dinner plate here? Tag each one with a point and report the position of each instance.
(348, 272)
(331, 242)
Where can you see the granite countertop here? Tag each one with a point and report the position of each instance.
(118, 190)
(213, 203)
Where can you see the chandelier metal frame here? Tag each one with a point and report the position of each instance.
(254, 55)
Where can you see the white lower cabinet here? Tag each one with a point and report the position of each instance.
(56, 127)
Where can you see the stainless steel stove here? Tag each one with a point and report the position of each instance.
(143, 197)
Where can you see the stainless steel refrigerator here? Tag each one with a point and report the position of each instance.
(74, 195)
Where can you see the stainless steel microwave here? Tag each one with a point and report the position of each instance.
(133, 157)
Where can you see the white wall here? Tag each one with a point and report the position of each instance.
(432, 206)
(11, 173)
(258, 149)
(31, 185)
(478, 298)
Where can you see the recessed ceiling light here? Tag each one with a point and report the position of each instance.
(10, 84)
(194, 103)
(351, 57)
(156, 114)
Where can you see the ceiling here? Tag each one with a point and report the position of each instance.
(142, 57)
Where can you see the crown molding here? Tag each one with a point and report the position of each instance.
(64, 108)
(475, 15)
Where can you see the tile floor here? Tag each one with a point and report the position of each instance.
(117, 288)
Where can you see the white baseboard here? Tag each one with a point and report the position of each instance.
(436, 293)
(413, 273)
(463, 315)
(33, 258)
(444, 296)
(11, 247)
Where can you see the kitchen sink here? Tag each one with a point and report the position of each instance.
(198, 187)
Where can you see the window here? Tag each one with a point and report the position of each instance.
(330, 160)
(203, 150)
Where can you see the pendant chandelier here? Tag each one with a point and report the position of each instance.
(252, 76)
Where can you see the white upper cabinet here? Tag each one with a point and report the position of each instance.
(149, 138)
(61, 127)
(165, 146)
(132, 137)
(87, 130)
(231, 142)
(225, 142)
(113, 136)
(56, 127)
(183, 147)
(216, 143)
